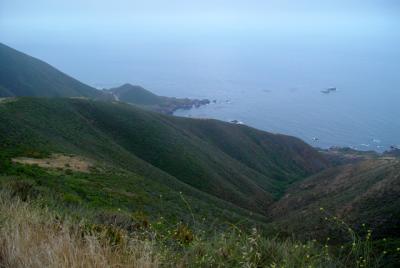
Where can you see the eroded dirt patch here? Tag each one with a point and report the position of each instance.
(58, 161)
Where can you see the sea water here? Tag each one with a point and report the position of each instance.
(273, 82)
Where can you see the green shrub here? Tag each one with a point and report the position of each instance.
(72, 199)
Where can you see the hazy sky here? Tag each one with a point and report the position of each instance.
(209, 15)
(84, 37)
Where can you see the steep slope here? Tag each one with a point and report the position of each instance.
(151, 144)
(23, 75)
(363, 193)
(282, 157)
(139, 96)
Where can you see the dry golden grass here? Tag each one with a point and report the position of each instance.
(35, 238)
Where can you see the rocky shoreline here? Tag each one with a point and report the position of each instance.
(174, 104)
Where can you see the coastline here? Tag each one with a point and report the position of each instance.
(374, 148)
(174, 105)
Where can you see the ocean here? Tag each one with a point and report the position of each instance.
(282, 89)
(273, 83)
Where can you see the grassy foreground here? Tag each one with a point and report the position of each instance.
(32, 235)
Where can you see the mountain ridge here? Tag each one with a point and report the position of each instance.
(23, 75)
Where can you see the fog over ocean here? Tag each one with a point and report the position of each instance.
(263, 66)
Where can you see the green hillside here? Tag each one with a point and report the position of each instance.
(117, 166)
(148, 143)
(362, 194)
(23, 75)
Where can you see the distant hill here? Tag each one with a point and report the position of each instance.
(23, 75)
(393, 152)
(140, 96)
(136, 94)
